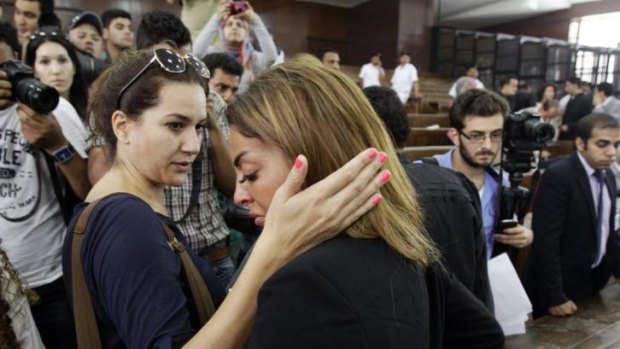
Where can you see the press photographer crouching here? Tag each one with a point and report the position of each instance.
(42, 162)
(477, 119)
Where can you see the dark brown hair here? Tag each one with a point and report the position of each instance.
(143, 94)
(476, 102)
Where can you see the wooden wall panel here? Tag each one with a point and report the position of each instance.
(414, 31)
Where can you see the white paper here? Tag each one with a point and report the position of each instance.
(512, 306)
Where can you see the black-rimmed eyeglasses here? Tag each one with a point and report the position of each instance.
(474, 137)
(171, 62)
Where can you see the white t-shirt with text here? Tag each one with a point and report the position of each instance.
(34, 245)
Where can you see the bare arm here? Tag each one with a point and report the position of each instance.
(44, 132)
(223, 167)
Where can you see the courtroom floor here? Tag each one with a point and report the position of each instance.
(596, 325)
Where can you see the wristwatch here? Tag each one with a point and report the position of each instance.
(63, 154)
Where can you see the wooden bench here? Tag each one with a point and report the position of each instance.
(417, 153)
(559, 148)
(425, 137)
(424, 120)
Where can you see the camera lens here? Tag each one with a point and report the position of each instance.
(41, 98)
(543, 132)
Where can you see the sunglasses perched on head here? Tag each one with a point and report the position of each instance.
(42, 34)
(171, 62)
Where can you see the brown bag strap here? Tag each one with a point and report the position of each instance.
(197, 286)
(86, 328)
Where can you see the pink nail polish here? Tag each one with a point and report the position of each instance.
(382, 158)
(377, 199)
(385, 176)
(298, 163)
(372, 153)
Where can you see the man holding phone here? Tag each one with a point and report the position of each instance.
(476, 129)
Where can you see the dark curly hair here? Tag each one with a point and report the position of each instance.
(391, 110)
(157, 26)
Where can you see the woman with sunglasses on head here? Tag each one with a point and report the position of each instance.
(379, 283)
(56, 64)
(233, 21)
(150, 108)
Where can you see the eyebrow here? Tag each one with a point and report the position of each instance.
(238, 158)
(186, 118)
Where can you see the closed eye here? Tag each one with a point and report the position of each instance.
(248, 178)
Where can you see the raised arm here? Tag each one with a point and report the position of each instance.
(45, 133)
(210, 30)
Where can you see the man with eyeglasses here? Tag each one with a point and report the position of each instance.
(576, 247)
(476, 128)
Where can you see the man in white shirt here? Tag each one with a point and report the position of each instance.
(372, 73)
(464, 83)
(604, 100)
(405, 79)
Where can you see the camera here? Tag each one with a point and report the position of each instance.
(524, 133)
(28, 90)
(237, 6)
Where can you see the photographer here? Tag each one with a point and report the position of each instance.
(233, 22)
(476, 128)
(42, 158)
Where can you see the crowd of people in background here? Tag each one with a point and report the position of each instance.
(192, 188)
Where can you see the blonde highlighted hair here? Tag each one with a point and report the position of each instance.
(307, 109)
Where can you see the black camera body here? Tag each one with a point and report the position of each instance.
(524, 133)
(28, 90)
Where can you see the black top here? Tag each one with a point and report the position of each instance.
(135, 280)
(359, 293)
(451, 207)
(577, 107)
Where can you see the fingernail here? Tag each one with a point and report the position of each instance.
(382, 158)
(377, 199)
(372, 153)
(298, 163)
(385, 176)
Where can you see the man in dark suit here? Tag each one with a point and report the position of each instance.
(578, 106)
(575, 247)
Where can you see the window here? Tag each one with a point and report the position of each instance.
(596, 63)
(597, 30)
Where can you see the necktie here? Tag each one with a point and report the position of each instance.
(600, 178)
